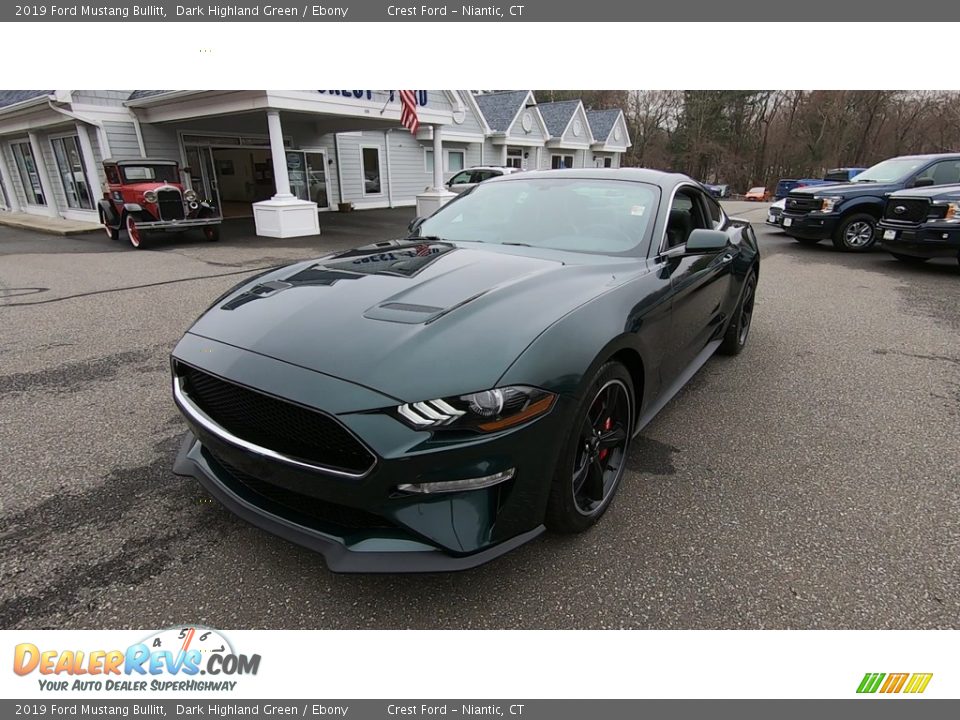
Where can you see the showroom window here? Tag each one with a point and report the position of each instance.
(29, 177)
(370, 163)
(561, 161)
(456, 161)
(515, 158)
(73, 175)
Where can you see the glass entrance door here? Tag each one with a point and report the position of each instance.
(308, 176)
(317, 178)
(203, 175)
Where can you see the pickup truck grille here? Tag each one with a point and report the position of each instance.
(170, 204)
(906, 210)
(802, 204)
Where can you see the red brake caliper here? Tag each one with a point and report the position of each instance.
(606, 426)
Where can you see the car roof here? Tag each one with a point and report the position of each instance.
(651, 177)
(139, 161)
(927, 156)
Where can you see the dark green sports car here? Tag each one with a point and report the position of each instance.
(430, 403)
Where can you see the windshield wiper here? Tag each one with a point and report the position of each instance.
(425, 238)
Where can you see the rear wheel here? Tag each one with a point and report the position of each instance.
(112, 232)
(134, 235)
(910, 259)
(211, 233)
(855, 233)
(594, 456)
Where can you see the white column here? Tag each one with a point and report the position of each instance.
(90, 164)
(40, 160)
(13, 202)
(437, 196)
(438, 159)
(284, 215)
(279, 154)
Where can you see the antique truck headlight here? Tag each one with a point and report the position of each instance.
(150, 196)
(190, 196)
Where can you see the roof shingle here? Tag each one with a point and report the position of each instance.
(501, 108)
(12, 97)
(602, 122)
(557, 115)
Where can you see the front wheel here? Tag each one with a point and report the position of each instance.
(735, 339)
(594, 457)
(134, 235)
(211, 233)
(855, 233)
(112, 232)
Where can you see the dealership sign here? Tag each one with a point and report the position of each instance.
(387, 96)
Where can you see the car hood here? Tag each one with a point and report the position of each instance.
(943, 192)
(411, 320)
(847, 190)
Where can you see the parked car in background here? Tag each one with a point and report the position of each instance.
(758, 194)
(146, 196)
(775, 212)
(466, 179)
(847, 214)
(921, 223)
(568, 307)
(831, 177)
(717, 191)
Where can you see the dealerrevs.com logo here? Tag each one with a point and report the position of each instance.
(183, 658)
(892, 683)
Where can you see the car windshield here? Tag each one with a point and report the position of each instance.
(890, 171)
(578, 214)
(150, 173)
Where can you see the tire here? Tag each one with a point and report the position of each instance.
(112, 232)
(806, 241)
(590, 468)
(134, 236)
(211, 233)
(855, 233)
(738, 331)
(910, 259)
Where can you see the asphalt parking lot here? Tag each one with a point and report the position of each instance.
(811, 482)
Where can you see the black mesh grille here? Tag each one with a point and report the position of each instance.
(276, 424)
(802, 203)
(296, 504)
(170, 204)
(910, 210)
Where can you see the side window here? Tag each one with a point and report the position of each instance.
(946, 172)
(716, 214)
(686, 215)
(461, 178)
(113, 177)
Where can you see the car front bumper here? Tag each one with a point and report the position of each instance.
(810, 226)
(363, 523)
(930, 240)
(774, 217)
(178, 224)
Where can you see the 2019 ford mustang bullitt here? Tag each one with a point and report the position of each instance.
(430, 403)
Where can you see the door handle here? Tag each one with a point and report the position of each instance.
(726, 258)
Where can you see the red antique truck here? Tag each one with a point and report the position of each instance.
(146, 196)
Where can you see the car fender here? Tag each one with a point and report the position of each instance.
(865, 203)
(632, 317)
(108, 214)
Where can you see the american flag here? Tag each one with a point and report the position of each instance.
(408, 111)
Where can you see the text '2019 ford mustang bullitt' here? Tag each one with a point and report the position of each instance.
(430, 403)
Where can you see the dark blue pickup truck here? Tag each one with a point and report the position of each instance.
(922, 223)
(848, 213)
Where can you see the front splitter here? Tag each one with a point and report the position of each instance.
(190, 462)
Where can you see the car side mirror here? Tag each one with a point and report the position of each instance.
(415, 224)
(706, 241)
(923, 182)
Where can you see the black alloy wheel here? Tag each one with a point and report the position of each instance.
(735, 339)
(594, 458)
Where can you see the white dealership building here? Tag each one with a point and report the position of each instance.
(284, 157)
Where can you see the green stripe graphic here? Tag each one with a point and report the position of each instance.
(871, 682)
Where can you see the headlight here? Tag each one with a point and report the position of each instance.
(828, 203)
(486, 411)
(190, 195)
(953, 210)
(150, 196)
